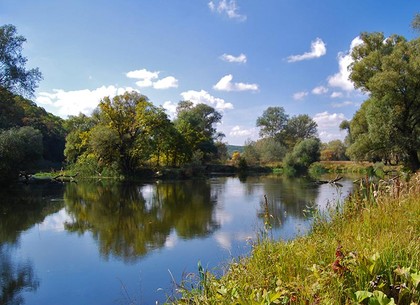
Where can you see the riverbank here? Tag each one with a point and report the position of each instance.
(366, 250)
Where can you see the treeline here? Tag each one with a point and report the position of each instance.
(385, 129)
(28, 133)
(293, 141)
(128, 133)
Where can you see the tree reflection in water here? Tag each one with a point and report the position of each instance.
(130, 220)
(20, 209)
(14, 278)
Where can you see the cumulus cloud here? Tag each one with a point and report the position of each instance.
(319, 90)
(238, 131)
(341, 78)
(203, 97)
(336, 94)
(226, 84)
(241, 58)
(230, 8)
(298, 96)
(150, 79)
(78, 101)
(170, 108)
(165, 83)
(318, 49)
(328, 125)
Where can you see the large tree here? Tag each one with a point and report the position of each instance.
(388, 69)
(298, 128)
(13, 74)
(197, 124)
(272, 122)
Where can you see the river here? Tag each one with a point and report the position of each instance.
(99, 242)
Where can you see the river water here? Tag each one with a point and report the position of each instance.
(99, 242)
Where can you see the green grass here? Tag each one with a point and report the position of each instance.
(366, 251)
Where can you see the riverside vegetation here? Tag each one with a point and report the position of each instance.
(363, 251)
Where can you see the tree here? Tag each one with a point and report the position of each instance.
(272, 122)
(333, 151)
(20, 148)
(389, 71)
(120, 115)
(196, 124)
(298, 128)
(304, 154)
(415, 24)
(77, 139)
(13, 74)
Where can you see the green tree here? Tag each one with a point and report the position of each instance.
(77, 139)
(272, 122)
(388, 69)
(120, 115)
(251, 154)
(298, 128)
(415, 24)
(270, 150)
(304, 154)
(333, 151)
(197, 125)
(13, 74)
(20, 148)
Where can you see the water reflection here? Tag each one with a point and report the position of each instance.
(15, 278)
(21, 208)
(129, 220)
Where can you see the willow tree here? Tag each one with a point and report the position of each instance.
(388, 69)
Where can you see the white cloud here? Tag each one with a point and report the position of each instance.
(170, 108)
(203, 97)
(318, 49)
(229, 8)
(300, 95)
(145, 77)
(55, 222)
(238, 131)
(336, 94)
(319, 90)
(76, 101)
(237, 59)
(225, 84)
(165, 83)
(328, 126)
(341, 78)
(150, 79)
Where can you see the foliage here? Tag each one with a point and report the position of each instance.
(196, 124)
(298, 128)
(389, 70)
(13, 75)
(127, 133)
(415, 24)
(303, 155)
(272, 122)
(365, 251)
(333, 151)
(19, 149)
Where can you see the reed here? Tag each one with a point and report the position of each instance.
(363, 251)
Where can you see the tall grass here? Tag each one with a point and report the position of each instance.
(366, 251)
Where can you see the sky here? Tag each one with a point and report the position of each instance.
(238, 56)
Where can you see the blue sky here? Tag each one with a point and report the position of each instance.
(238, 56)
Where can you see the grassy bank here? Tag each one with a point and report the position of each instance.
(366, 251)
